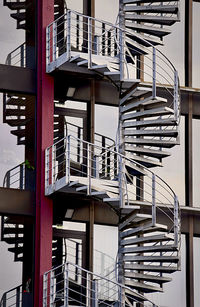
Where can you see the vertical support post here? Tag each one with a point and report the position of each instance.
(46, 168)
(176, 221)
(8, 180)
(68, 35)
(66, 285)
(96, 166)
(103, 42)
(18, 297)
(21, 176)
(153, 200)
(176, 98)
(54, 41)
(154, 73)
(89, 167)
(22, 55)
(94, 293)
(44, 290)
(79, 146)
(67, 159)
(89, 42)
(77, 32)
(76, 261)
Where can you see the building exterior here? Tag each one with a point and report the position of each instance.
(71, 173)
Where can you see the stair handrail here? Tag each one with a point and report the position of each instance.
(90, 286)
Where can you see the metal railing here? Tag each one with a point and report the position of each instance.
(70, 284)
(128, 179)
(17, 57)
(15, 177)
(12, 297)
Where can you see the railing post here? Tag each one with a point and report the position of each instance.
(4, 300)
(88, 291)
(154, 73)
(46, 168)
(45, 290)
(21, 176)
(52, 287)
(47, 47)
(153, 200)
(8, 180)
(67, 158)
(52, 165)
(54, 41)
(89, 42)
(94, 293)
(89, 167)
(66, 285)
(96, 166)
(68, 35)
(22, 55)
(121, 54)
(18, 297)
(176, 221)
(176, 95)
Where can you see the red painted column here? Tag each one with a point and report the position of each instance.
(44, 116)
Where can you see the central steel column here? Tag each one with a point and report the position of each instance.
(44, 138)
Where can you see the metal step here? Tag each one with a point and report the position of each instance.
(148, 249)
(156, 279)
(140, 230)
(16, 250)
(14, 240)
(153, 259)
(15, 112)
(113, 75)
(155, 31)
(155, 132)
(135, 48)
(19, 16)
(159, 154)
(100, 68)
(146, 1)
(142, 286)
(151, 123)
(150, 142)
(147, 239)
(148, 113)
(152, 8)
(134, 218)
(15, 5)
(150, 268)
(17, 122)
(133, 103)
(143, 39)
(146, 162)
(13, 230)
(161, 20)
(20, 133)
(16, 102)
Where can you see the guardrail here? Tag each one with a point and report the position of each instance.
(15, 177)
(12, 297)
(17, 57)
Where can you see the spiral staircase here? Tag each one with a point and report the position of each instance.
(125, 55)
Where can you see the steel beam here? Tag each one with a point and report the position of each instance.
(17, 79)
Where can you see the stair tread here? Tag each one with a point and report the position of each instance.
(138, 249)
(146, 229)
(152, 142)
(147, 239)
(134, 218)
(150, 132)
(152, 8)
(147, 277)
(160, 259)
(160, 32)
(144, 1)
(147, 162)
(162, 20)
(142, 286)
(147, 151)
(148, 113)
(150, 123)
(150, 268)
(133, 103)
